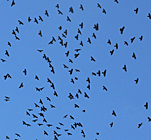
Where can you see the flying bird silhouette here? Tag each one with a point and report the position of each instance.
(122, 29)
(124, 68)
(81, 7)
(136, 81)
(146, 105)
(139, 125)
(136, 10)
(134, 56)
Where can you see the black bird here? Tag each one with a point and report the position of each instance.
(7, 137)
(52, 85)
(99, 73)
(40, 33)
(89, 40)
(113, 113)
(59, 12)
(29, 19)
(57, 6)
(60, 27)
(88, 86)
(27, 113)
(134, 56)
(104, 88)
(111, 124)
(109, 41)
(41, 102)
(34, 116)
(68, 19)
(36, 77)
(46, 13)
(35, 120)
(65, 32)
(72, 127)
(86, 95)
(3, 60)
(132, 39)
(76, 106)
(65, 116)
(55, 93)
(96, 27)
(5, 76)
(83, 111)
(149, 119)
(39, 89)
(71, 71)
(70, 96)
(81, 43)
(13, 3)
(146, 105)
(40, 18)
(81, 25)
(104, 73)
(93, 73)
(63, 36)
(36, 105)
(104, 11)
(76, 55)
(35, 20)
(116, 1)
(65, 44)
(67, 53)
(125, 43)
(136, 10)
(94, 35)
(111, 52)
(92, 59)
(41, 114)
(25, 71)
(79, 91)
(69, 133)
(77, 95)
(17, 38)
(72, 80)
(71, 9)
(39, 50)
(116, 45)
(9, 44)
(122, 29)
(149, 15)
(45, 133)
(44, 120)
(21, 85)
(77, 50)
(21, 23)
(71, 117)
(76, 37)
(6, 53)
(40, 124)
(30, 109)
(79, 31)
(17, 135)
(65, 66)
(77, 70)
(76, 78)
(49, 125)
(88, 80)
(141, 38)
(98, 5)
(52, 106)
(136, 81)
(13, 32)
(81, 7)
(124, 68)
(17, 30)
(139, 125)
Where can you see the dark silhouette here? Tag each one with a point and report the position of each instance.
(116, 1)
(81, 7)
(104, 73)
(76, 55)
(140, 38)
(98, 5)
(17, 30)
(88, 80)
(81, 25)
(122, 29)
(76, 37)
(76, 106)
(21, 85)
(136, 10)
(9, 44)
(25, 71)
(94, 35)
(149, 16)
(116, 46)
(86, 95)
(124, 68)
(59, 12)
(139, 125)
(111, 52)
(13, 3)
(65, 116)
(99, 73)
(40, 18)
(92, 59)
(40, 33)
(29, 19)
(39, 89)
(57, 6)
(132, 39)
(36, 77)
(125, 43)
(68, 19)
(60, 27)
(45, 133)
(71, 117)
(104, 11)
(46, 13)
(113, 113)
(104, 88)
(149, 119)
(81, 43)
(17, 135)
(146, 105)
(3, 60)
(136, 81)
(111, 124)
(134, 56)
(71, 9)
(109, 41)
(6, 53)
(20, 22)
(96, 27)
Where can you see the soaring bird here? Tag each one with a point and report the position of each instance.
(136, 10)
(139, 125)
(134, 56)
(113, 113)
(124, 68)
(136, 81)
(122, 29)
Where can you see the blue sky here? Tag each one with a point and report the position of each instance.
(123, 96)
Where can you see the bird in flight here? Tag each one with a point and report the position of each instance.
(21, 85)
(140, 38)
(146, 105)
(149, 16)
(104, 88)
(71, 9)
(111, 124)
(96, 27)
(113, 113)
(81, 7)
(139, 125)
(136, 81)
(13, 3)
(149, 119)
(98, 5)
(92, 59)
(104, 11)
(136, 10)
(124, 68)
(25, 71)
(20, 22)
(46, 13)
(116, 1)
(133, 55)
(122, 29)
(132, 39)
(29, 19)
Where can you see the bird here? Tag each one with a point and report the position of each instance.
(48, 98)
(20, 22)
(76, 55)
(68, 19)
(46, 13)
(93, 73)
(60, 27)
(6, 53)
(40, 124)
(9, 44)
(34, 116)
(94, 35)
(116, 1)
(65, 116)
(36, 77)
(88, 86)
(76, 106)
(71, 71)
(111, 124)
(134, 56)
(35, 20)
(104, 11)
(81, 7)
(125, 43)
(88, 80)
(55, 93)
(13, 32)
(92, 59)
(39, 89)
(109, 41)
(132, 39)
(13, 3)
(99, 73)
(124, 68)
(52, 106)
(116, 46)
(79, 31)
(17, 38)
(35, 120)
(36, 105)
(104, 88)
(72, 81)
(40, 33)
(17, 30)
(30, 109)
(111, 52)
(21, 85)
(57, 6)
(139, 125)
(136, 81)
(17, 135)
(149, 119)
(149, 16)
(49, 125)
(136, 10)
(29, 19)
(81, 43)
(69, 133)
(65, 66)
(27, 113)
(140, 38)
(44, 120)
(98, 5)
(3, 60)
(86, 95)
(104, 73)
(76, 37)
(40, 18)
(45, 133)
(71, 117)
(96, 27)
(7, 137)
(59, 12)
(81, 25)
(71, 9)
(41, 102)
(89, 40)
(146, 105)
(113, 113)
(25, 71)
(122, 29)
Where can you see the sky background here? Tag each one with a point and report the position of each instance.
(123, 95)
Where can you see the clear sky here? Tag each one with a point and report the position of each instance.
(123, 95)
